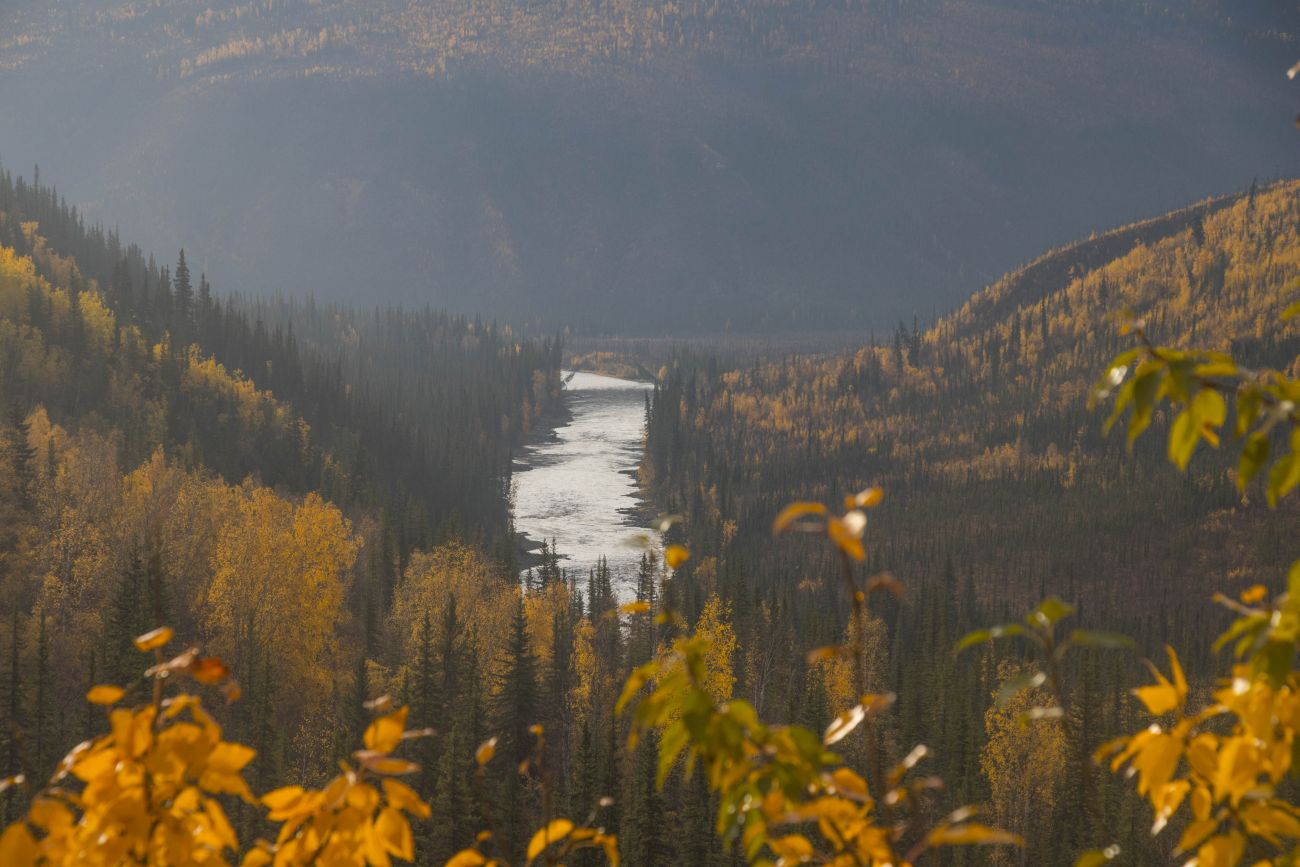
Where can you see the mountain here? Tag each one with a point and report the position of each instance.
(1000, 489)
(257, 474)
(618, 165)
(982, 419)
(413, 414)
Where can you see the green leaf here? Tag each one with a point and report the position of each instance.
(1249, 403)
(1183, 436)
(1253, 457)
(1051, 611)
(1103, 640)
(1284, 476)
(1216, 369)
(1145, 385)
(980, 636)
(1274, 661)
(633, 684)
(972, 834)
(1211, 409)
(1016, 685)
(674, 740)
(1034, 714)
(1243, 626)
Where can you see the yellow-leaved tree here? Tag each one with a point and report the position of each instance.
(279, 578)
(1024, 763)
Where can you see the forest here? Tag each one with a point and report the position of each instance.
(259, 568)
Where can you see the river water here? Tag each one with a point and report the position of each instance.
(578, 486)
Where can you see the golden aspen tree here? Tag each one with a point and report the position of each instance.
(1023, 759)
(483, 601)
(714, 626)
(279, 571)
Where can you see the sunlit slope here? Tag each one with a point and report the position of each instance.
(980, 431)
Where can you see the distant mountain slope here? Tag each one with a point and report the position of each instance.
(412, 414)
(979, 431)
(637, 166)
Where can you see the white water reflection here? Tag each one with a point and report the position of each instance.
(579, 487)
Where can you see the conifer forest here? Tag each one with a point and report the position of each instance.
(521, 433)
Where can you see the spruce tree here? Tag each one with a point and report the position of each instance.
(514, 711)
(125, 621)
(40, 710)
(23, 456)
(183, 293)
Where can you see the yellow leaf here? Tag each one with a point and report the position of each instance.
(1223, 850)
(105, 694)
(1159, 699)
(382, 763)
(50, 816)
(486, 751)
(376, 853)
(675, 556)
(849, 783)
(610, 844)
(1180, 680)
(17, 846)
(209, 669)
(865, 499)
(553, 832)
(794, 512)
(821, 654)
(257, 857)
(384, 734)
(220, 824)
(972, 834)
(403, 797)
(1254, 594)
(153, 639)
(230, 758)
(843, 724)
(1195, 834)
(793, 848)
(466, 858)
(1097, 857)
(1155, 762)
(844, 539)
(395, 833)
(634, 608)
(283, 798)
(1163, 696)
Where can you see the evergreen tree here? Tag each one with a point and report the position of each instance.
(183, 293)
(126, 620)
(23, 455)
(40, 711)
(514, 712)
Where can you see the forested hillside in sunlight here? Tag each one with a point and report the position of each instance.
(259, 476)
(1002, 488)
(260, 600)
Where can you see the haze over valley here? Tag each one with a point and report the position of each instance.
(623, 167)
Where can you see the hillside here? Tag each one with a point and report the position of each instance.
(256, 475)
(641, 167)
(1000, 487)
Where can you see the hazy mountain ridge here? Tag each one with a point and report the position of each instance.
(633, 166)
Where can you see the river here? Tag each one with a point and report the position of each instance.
(578, 486)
